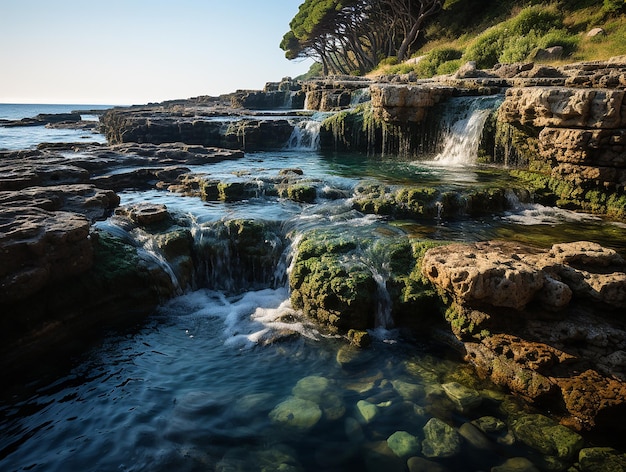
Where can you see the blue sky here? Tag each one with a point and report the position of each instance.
(139, 51)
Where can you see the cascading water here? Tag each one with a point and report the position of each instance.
(462, 128)
(305, 136)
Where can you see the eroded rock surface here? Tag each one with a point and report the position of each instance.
(554, 352)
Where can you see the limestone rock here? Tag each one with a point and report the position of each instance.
(593, 32)
(405, 102)
(482, 273)
(563, 107)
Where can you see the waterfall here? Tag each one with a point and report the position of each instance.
(360, 96)
(238, 255)
(463, 125)
(305, 136)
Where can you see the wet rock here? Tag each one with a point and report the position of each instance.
(145, 214)
(296, 413)
(419, 464)
(601, 459)
(475, 437)
(359, 338)
(548, 437)
(463, 397)
(366, 412)
(354, 431)
(440, 440)
(38, 247)
(404, 444)
(408, 391)
(516, 464)
(489, 424)
(379, 456)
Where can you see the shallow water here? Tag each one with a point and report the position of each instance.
(190, 390)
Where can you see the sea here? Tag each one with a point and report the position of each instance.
(28, 137)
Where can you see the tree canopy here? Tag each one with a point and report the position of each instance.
(352, 36)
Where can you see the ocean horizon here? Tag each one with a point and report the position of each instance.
(28, 137)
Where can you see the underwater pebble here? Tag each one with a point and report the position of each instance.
(366, 412)
(404, 444)
(296, 413)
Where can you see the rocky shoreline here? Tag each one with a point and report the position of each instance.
(546, 323)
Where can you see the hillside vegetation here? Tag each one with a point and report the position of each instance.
(499, 31)
(490, 32)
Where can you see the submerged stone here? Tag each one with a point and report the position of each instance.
(463, 397)
(547, 436)
(366, 412)
(408, 391)
(440, 440)
(296, 413)
(404, 444)
(516, 464)
(601, 459)
(419, 464)
(311, 388)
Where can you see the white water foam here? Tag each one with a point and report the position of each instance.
(305, 136)
(463, 125)
(256, 317)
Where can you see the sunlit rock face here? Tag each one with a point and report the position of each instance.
(513, 307)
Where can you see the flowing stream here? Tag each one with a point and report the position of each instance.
(230, 379)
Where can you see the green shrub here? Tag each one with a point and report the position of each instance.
(560, 37)
(430, 65)
(537, 18)
(389, 61)
(487, 47)
(517, 39)
(449, 67)
(613, 6)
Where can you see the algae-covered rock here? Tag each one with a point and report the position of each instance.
(359, 338)
(404, 444)
(463, 397)
(332, 287)
(547, 436)
(296, 413)
(302, 192)
(408, 391)
(440, 440)
(601, 459)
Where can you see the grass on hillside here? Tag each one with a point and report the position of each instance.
(505, 31)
